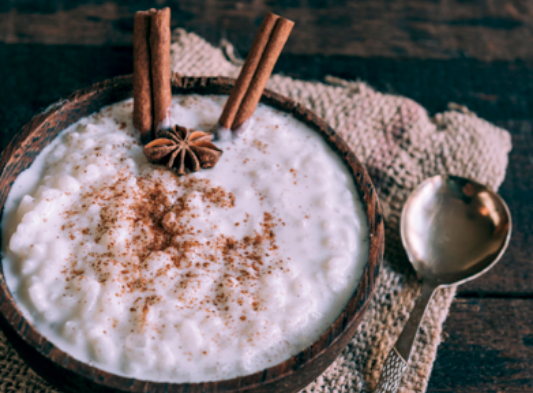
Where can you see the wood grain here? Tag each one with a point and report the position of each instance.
(487, 348)
(289, 376)
(440, 29)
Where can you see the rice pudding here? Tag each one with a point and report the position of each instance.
(218, 274)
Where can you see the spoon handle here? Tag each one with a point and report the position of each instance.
(396, 362)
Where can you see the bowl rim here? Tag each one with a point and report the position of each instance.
(16, 157)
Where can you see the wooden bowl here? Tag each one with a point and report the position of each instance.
(72, 375)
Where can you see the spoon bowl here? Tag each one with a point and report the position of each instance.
(454, 229)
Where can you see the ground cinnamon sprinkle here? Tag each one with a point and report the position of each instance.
(164, 221)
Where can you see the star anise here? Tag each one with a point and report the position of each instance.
(181, 148)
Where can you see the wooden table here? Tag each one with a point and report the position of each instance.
(478, 54)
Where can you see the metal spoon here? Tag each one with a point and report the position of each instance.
(453, 230)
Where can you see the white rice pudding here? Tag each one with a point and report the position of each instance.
(222, 273)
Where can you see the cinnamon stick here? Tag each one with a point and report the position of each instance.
(248, 70)
(264, 70)
(142, 91)
(160, 67)
(259, 64)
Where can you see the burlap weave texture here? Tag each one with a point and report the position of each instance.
(401, 146)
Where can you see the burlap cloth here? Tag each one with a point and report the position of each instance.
(401, 146)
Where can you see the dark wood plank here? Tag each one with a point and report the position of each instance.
(440, 29)
(35, 76)
(497, 91)
(487, 348)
